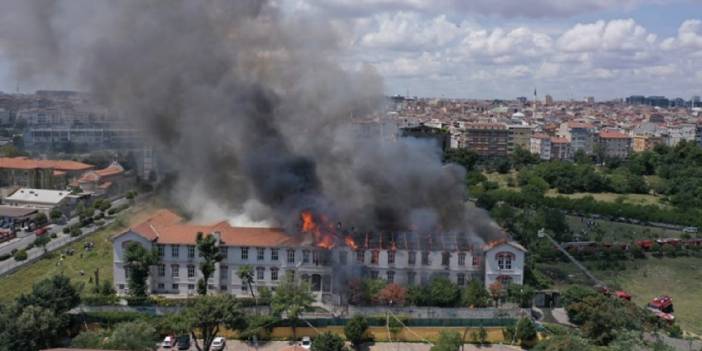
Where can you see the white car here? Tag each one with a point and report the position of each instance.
(168, 342)
(218, 344)
(306, 342)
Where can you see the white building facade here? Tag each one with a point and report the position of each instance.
(272, 254)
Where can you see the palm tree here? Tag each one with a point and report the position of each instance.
(246, 274)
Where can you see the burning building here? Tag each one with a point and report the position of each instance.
(324, 255)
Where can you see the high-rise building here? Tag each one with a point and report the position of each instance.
(590, 99)
(486, 139)
(548, 100)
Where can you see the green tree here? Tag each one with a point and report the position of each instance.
(327, 342)
(291, 298)
(565, 343)
(525, 332)
(55, 215)
(138, 260)
(36, 328)
(444, 293)
(521, 294)
(56, 294)
(475, 295)
(135, 336)
(482, 335)
(448, 341)
(204, 315)
(246, 274)
(89, 339)
(42, 241)
(40, 219)
(209, 250)
(355, 329)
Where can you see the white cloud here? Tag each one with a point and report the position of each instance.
(689, 37)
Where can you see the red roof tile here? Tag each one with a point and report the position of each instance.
(26, 163)
(613, 134)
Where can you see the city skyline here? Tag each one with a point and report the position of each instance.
(485, 50)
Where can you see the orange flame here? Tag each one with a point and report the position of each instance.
(350, 243)
(323, 239)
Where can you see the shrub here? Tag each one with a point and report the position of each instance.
(355, 330)
(21, 255)
(76, 231)
(53, 236)
(66, 230)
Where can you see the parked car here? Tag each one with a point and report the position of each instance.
(183, 342)
(218, 344)
(168, 342)
(306, 342)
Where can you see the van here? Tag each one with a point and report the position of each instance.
(183, 342)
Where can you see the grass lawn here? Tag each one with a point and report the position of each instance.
(617, 231)
(100, 257)
(502, 179)
(635, 199)
(680, 278)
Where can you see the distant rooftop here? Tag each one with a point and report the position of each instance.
(43, 196)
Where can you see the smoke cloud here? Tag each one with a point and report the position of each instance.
(249, 104)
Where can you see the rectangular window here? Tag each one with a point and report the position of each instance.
(391, 277)
(244, 288)
(260, 272)
(244, 253)
(274, 254)
(411, 258)
(191, 271)
(161, 270)
(191, 251)
(191, 286)
(411, 277)
(175, 250)
(174, 286)
(160, 250)
(375, 254)
(476, 260)
(425, 258)
(175, 270)
(291, 256)
(121, 286)
(274, 274)
(342, 257)
(305, 256)
(460, 279)
(223, 271)
(315, 257)
(374, 274)
(161, 286)
(391, 257)
(260, 254)
(445, 258)
(223, 288)
(462, 259)
(361, 256)
(224, 250)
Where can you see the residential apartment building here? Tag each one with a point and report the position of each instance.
(541, 145)
(561, 149)
(519, 137)
(614, 143)
(581, 135)
(486, 139)
(645, 142)
(402, 258)
(106, 137)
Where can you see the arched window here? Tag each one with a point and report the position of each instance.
(504, 260)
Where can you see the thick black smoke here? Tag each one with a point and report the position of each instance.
(248, 103)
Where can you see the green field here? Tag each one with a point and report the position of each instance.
(634, 199)
(617, 231)
(680, 278)
(100, 257)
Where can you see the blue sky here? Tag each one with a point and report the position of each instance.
(506, 48)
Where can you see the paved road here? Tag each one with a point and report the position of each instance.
(385, 346)
(61, 240)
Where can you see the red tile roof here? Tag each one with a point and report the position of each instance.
(26, 163)
(556, 140)
(613, 134)
(580, 125)
(168, 228)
